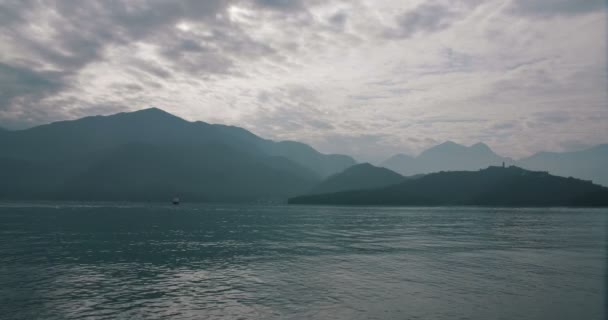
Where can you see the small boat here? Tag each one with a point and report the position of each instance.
(175, 201)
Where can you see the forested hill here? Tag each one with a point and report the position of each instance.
(494, 186)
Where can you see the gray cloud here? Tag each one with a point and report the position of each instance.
(365, 147)
(286, 110)
(556, 7)
(281, 4)
(150, 67)
(428, 17)
(339, 19)
(446, 120)
(77, 35)
(332, 73)
(20, 84)
(507, 125)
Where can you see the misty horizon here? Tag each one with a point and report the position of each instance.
(378, 160)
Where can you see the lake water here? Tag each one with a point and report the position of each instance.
(141, 261)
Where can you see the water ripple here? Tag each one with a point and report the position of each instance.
(141, 261)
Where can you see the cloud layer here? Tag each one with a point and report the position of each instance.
(368, 78)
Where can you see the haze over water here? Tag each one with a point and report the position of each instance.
(136, 261)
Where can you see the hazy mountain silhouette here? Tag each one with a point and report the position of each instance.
(66, 139)
(153, 155)
(494, 186)
(401, 163)
(196, 172)
(322, 164)
(448, 156)
(360, 176)
(91, 158)
(589, 164)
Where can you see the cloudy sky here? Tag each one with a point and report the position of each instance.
(368, 78)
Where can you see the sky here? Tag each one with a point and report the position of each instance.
(368, 78)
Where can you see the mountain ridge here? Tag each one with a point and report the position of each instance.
(151, 125)
(447, 156)
(38, 161)
(49, 160)
(588, 164)
(493, 186)
(359, 176)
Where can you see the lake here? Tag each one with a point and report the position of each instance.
(194, 261)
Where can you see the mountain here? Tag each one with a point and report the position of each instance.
(448, 156)
(197, 172)
(589, 164)
(494, 186)
(322, 164)
(157, 151)
(20, 177)
(360, 176)
(401, 163)
(66, 139)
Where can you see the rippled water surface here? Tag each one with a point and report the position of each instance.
(140, 261)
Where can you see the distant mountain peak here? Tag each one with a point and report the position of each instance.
(359, 176)
(447, 146)
(148, 114)
(448, 155)
(400, 156)
(480, 145)
(150, 111)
